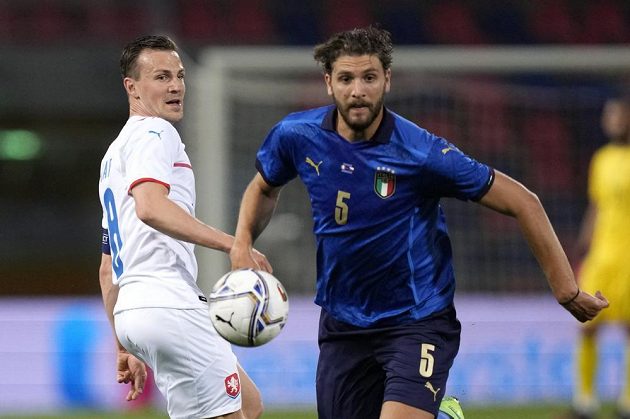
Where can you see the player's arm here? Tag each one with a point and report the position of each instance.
(257, 207)
(109, 291)
(155, 209)
(510, 197)
(129, 368)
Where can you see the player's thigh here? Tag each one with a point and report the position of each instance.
(397, 410)
(235, 415)
(252, 404)
(349, 382)
(349, 389)
(194, 368)
(417, 359)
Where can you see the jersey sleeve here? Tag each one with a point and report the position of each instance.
(151, 154)
(451, 173)
(274, 160)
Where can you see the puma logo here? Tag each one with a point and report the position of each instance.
(229, 322)
(159, 134)
(446, 150)
(312, 163)
(432, 390)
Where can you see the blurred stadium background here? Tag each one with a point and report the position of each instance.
(517, 84)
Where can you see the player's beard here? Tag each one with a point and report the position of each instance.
(360, 125)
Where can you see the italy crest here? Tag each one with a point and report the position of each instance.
(384, 182)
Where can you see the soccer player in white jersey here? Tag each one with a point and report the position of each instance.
(148, 269)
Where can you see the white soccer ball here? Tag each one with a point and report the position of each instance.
(248, 307)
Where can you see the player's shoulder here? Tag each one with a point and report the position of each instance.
(411, 132)
(153, 127)
(308, 117)
(604, 153)
(152, 123)
(407, 125)
(307, 123)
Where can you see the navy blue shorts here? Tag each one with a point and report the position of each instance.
(360, 368)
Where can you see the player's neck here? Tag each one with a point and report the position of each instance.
(352, 135)
(620, 140)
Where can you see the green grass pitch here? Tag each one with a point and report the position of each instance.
(472, 412)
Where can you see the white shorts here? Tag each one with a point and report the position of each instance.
(194, 368)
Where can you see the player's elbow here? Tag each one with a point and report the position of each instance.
(529, 203)
(531, 200)
(146, 212)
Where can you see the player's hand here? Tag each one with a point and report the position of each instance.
(131, 370)
(261, 261)
(585, 306)
(249, 258)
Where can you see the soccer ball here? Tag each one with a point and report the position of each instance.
(248, 307)
(450, 409)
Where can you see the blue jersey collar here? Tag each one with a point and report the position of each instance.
(383, 133)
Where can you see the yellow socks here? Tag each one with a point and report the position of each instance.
(585, 399)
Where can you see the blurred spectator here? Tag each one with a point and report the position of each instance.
(298, 22)
(6, 21)
(453, 22)
(201, 21)
(102, 20)
(503, 22)
(40, 21)
(251, 22)
(403, 19)
(348, 14)
(117, 20)
(604, 22)
(553, 22)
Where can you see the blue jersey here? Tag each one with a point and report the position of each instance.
(383, 250)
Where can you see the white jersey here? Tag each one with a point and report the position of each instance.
(151, 268)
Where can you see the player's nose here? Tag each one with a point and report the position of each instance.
(358, 89)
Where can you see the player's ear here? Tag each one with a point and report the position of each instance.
(328, 80)
(388, 79)
(130, 87)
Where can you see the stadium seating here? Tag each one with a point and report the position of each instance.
(200, 22)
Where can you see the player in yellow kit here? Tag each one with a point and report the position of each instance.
(605, 240)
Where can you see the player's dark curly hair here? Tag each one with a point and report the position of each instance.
(132, 50)
(371, 40)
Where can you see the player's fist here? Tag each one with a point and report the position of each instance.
(585, 307)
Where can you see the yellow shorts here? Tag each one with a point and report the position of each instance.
(613, 280)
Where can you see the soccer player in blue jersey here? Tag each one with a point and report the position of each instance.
(388, 331)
